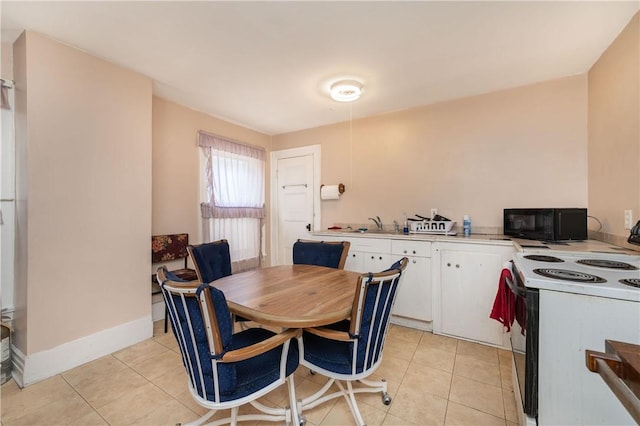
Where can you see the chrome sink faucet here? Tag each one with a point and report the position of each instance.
(377, 221)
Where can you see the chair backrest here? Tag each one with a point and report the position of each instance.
(169, 247)
(212, 260)
(371, 312)
(202, 324)
(322, 253)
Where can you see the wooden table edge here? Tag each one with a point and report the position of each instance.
(279, 321)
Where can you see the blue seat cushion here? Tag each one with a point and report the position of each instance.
(255, 373)
(235, 380)
(331, 355)
(316, 253)
(337, 356)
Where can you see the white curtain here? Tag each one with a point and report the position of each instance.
(234, 208)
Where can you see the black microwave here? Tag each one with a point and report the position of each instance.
(546, 224)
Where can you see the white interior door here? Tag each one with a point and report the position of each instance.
(295, 203)
(297, 192)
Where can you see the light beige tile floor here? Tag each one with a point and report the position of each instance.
(432, 380)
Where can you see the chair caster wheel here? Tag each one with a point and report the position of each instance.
(386, 399)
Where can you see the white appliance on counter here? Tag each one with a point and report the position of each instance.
(575, 301)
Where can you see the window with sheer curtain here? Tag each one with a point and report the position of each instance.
(233, 208)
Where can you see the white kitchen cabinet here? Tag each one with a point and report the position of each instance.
(355, 261)
(360, 261)
(413, 305)
(414, 294)
(465, 280)
(376, 262)
(448, 287)
(368, 254)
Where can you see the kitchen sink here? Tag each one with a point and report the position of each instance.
(368, 231)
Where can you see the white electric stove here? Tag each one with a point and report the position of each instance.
(575, 301)
(609, 275)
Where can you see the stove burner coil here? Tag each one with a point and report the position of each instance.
(605, 263)
(563, 274)
(543, 258)
(633, 282)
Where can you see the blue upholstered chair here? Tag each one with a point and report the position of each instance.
(351, 350)
(321, 253)
(226, 370)
(211, 260)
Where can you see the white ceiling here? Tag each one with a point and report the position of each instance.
(267, 65)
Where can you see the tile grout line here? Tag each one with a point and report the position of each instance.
(488, 384)
(446, 411)
(95, 410)
(402, 379)
(387, 412)
(158, 387)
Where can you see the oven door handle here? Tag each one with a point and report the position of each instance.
(514, 288)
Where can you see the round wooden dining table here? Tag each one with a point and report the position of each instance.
(291, 296)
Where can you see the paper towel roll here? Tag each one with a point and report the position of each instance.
(329, 192)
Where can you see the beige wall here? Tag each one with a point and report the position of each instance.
(176, 197)
(525, 147)
(86, 161)
(614, 132)
(83, 137)
(6, 60)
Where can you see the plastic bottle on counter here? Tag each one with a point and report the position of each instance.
(405, 229)
(466, 225)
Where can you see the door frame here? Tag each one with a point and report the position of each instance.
(315, 151)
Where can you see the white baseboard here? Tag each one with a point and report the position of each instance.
(42, 365)
(411, 323)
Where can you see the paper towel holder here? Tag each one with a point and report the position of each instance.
(340, 188)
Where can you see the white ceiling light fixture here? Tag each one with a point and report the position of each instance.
(346, 90)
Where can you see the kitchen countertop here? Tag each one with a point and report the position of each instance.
(527, 246)
(472, 239)
(594, 246)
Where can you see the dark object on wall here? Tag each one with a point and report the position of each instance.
(634, 237)
(165, 248)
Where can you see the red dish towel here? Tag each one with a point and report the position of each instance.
(504, 306)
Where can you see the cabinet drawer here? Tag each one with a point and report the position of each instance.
(411, 248)
(370, 245)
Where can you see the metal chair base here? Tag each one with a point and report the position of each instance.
(270, 415)
(289, 415)
(348, 392)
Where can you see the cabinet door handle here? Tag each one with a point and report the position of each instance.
(353, 255)
(405, 252)
(414, 261)
(448, 264)
(373, 257)
(414, 252)
(457, 266)
(380, 258)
